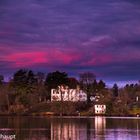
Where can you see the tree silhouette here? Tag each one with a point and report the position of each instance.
(1, 79)
(115, 90)
(24, 83)
(101, 85)
(72, 82)
(86, 81)
(55, 79)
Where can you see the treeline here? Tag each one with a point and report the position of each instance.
(27, 89)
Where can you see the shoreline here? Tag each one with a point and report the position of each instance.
(70, 116)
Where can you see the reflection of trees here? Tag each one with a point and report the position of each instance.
(88, 129)
(33, 128)
(55, 129)
(122, 123)
(26, 128)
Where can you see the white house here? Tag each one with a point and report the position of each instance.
(66, 94)
(100, 109)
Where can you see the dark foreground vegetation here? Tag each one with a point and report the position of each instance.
(29, 93)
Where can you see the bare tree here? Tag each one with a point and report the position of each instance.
(86, 82)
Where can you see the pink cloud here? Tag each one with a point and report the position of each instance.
(65, 57)
(27, 58)
(49, 57)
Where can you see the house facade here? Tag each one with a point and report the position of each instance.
(66, 94)
(100, 109)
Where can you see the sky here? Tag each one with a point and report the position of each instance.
(75, 36)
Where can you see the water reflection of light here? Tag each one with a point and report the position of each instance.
(63, 131)
(100, 125)
(68, 131)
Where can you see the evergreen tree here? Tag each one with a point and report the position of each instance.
(24, 83)
(55, 79)
(101, 85)
(1, 79)
(115, 90)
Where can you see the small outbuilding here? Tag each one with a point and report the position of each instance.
(100, 109)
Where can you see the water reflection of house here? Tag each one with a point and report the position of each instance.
(66, 94)
(100, 125)
(100, 109)
(78, 129)
(68, 131)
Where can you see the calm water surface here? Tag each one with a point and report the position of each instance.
(45, 128)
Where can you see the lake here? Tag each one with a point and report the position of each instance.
(67, 128)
